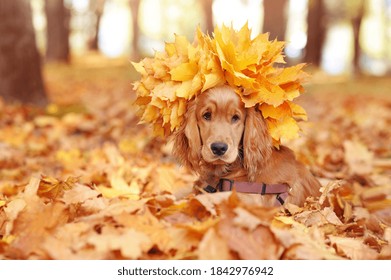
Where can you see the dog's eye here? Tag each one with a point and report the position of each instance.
(207, 116)
(235, 118)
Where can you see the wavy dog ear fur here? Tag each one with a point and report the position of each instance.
(187, 141)
(257, 143)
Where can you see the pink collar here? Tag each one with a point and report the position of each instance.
(281, 190)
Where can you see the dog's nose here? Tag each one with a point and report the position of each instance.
(219, 148)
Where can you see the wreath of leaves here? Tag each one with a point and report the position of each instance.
(252, 66)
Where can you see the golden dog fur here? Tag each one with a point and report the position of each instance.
(219, 116)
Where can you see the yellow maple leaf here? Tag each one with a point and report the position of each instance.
(139, 67)
(279, 112)
(297, 111)
(288, 74)
(184, 72)
(181, 45)
(174, 117)
(211, 80)
(150, 114)
(160, 70)
(286, 128)
(263, 95)
(165, 91)
(186, 90)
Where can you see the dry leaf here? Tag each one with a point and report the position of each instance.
(258, 244)
(79, 194)
(354, 249)
(68, 242)
(300, 241)
(33, 226)
(12, 211)
(245, 219)
(213, 247)
(358, 157)
(130, 243)
(318, 218)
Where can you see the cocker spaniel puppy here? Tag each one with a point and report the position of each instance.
(228, 145)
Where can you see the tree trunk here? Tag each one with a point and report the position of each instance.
(96, 7)
(208, 14)
(20, 64)
(57, 17)
(356, 24)
(275, 18)
(316, 32)
(134, 6)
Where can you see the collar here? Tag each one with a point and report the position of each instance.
(280, 190)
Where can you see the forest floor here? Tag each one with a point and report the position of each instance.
(82, 180)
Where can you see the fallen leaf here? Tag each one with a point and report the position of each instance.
(131, 244)
(354, 249)
(213, 247)
(245, 219)
(258, 244)
(301, 242)
(33, 226)
(358, 157)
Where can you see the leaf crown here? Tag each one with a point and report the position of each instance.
(173, 77)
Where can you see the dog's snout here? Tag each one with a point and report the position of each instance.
(219, 148)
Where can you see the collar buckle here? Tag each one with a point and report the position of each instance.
(210, 189)
(221, 186)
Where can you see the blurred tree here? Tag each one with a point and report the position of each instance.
(57, 17)
(350, 12)
(356, 15)
(315, 33)
(208, 14)
(20, 64)
(275, 18)
(134, 7)
(96, 7)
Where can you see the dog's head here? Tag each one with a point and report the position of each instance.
(218, 130)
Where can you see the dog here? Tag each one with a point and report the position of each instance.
(229, 147)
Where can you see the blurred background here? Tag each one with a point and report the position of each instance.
(67, 39)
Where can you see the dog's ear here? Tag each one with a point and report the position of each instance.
(187, 141)
(257, 143)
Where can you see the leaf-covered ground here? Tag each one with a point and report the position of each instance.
(85, 182)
